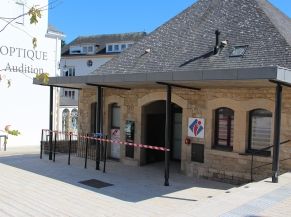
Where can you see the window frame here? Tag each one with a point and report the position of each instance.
(115, 106)
(249, 147)
(65, 120)
(85, 49)
(123, 47)
(116, 48)
(110, 48)
(227, 147)
(90, 49)
(71, 71)
(74, 119)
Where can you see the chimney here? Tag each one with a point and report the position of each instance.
(216, 48)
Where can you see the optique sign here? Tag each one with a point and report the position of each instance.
(24, 54)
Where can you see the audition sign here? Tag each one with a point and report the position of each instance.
(23, 54)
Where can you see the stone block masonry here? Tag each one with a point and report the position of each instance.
(230, 166)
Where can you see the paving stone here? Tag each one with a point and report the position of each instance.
(30, 186)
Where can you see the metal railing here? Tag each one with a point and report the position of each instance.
(87, 146)
(5, 141)
(263, 150)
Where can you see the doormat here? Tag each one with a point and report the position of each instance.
(95, 183)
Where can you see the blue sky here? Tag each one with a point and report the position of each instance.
(90, 17)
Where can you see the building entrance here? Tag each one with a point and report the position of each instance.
(154, 116)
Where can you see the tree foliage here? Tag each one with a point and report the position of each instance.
(43, 78)
(35, 14)
(9, 131)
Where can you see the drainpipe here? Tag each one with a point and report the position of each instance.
(216, 48)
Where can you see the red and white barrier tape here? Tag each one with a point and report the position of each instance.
(114, 141)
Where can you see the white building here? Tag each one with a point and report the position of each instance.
(82, 57)
(24, 106)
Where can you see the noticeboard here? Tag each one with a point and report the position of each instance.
(129, 137)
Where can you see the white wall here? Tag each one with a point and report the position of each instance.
(80, 63)
(26, 106)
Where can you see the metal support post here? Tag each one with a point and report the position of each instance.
(168, 133)
(277, 130)
(5, 142)
(55, 147)
(70, 147)
(105, 154)
(86, 152)
(51, 123)
(41, 145)
(98, 144)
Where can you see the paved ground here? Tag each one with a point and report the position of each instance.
(33, 187)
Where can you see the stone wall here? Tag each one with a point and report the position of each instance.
(229, 166)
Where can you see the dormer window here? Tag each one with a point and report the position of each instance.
(109, 48)
(85, 49)
(88, 49)
(117, 47)
(82, 49)
(75, 50)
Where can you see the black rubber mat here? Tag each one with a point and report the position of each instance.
(95, 183)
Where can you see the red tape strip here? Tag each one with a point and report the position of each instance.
(111, 141)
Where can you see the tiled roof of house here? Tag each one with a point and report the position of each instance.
(186, 42)
(102, 40)
(54, 29)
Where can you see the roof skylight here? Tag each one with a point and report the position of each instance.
(238, 51)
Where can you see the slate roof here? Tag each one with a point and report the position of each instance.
(54, 29)
(191, 34)
(102, 40)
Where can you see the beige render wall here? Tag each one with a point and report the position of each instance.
(229, 166)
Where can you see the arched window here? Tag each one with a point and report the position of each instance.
(74, 116)
(65, 120)
(260, 129)
(224, 128)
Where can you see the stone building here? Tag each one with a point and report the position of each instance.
(220, 64)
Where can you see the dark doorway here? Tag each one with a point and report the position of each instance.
(155, 136)
(154, 116)
(176, 133)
